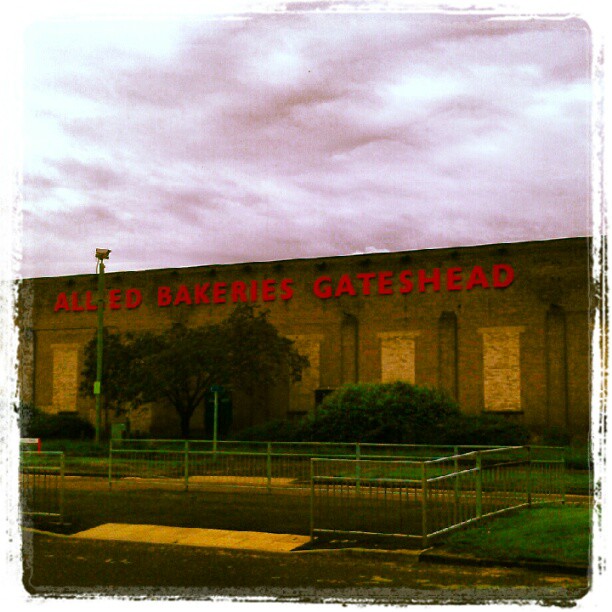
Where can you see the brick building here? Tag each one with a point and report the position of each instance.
(503, 327)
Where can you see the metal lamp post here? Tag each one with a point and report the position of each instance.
(101, 255)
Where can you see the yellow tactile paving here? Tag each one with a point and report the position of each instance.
(213, 538)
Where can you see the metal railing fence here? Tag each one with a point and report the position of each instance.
(426, 499)
(41, 479)
(365, 496)
(245, 463)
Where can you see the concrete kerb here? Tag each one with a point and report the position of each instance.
(289, 543)
(436, 555)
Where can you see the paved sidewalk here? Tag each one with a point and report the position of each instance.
(212, 538)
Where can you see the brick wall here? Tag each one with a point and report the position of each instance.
(367, 330)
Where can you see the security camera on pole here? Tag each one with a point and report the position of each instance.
(101, 255)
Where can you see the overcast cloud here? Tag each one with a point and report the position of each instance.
(277, 136)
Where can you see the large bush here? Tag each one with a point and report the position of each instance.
(485, 429)
(394, 412)
(273, 431)
(34, 423)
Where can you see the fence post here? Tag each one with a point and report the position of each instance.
(357, 468)
(110, 464)
(312, 500)
(186, 462)
(61, 494)
(478, 485)
(424, 491)
(529, 481)
(456, 487)
(563, 484)
(269, 466)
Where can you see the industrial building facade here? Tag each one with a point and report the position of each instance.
(503, 328)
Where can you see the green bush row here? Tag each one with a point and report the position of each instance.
(398, 413)
(34, 423)
(486, 430)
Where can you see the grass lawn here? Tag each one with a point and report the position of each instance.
(547, 534)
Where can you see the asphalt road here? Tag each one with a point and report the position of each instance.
(65, 566)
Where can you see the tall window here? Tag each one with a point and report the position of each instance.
(502, 368)
(65, 376)
(301, 395)
(397, 356)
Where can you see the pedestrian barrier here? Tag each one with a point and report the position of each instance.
(188, 463)
(41, 475)
(422, 500)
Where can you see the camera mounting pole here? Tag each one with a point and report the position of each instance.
(101, 255)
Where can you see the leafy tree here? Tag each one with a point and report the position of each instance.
(118, 385)
(256, 354)
(180, 364)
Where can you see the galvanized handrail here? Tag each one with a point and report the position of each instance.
(51, 492)
(482, 490)
(452, 475)
(162, 458)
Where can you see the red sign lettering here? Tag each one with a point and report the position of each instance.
(61, 303)
(239, 292)
(164, 296)
(219, 290)
(366, 277)
(133, 298)
(286, 289)
(477, 277)
(267, 290)
(200, 294)
(76, 307)
(453, 279)
(386, 282)
(114, 299)
(182, 296)
(345, 285)
(429, 280)
(89, 305)
(405, 281)
(323, 291)
(504, 270)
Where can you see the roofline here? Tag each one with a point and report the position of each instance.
(376, 254)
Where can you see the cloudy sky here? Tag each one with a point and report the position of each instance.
(224, 139)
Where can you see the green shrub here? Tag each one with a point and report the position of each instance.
(76, 448)
(34, 423)
(397, 412)
(273, 431)
(27, 413)
(578, 458)
(486, 430)
(556, 436)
